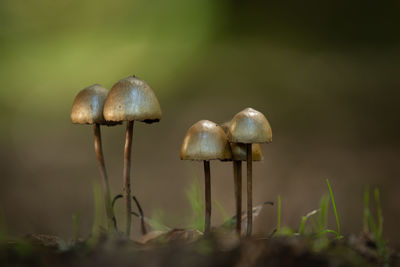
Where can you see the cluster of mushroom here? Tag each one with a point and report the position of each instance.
(130, 99)
(236, 141)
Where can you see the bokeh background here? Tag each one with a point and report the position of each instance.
(326, 76)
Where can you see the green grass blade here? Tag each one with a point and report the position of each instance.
(302, 224)
(157, 217)
(366, 211)
(379, 211)
(372, 224)
(98, 208)
(334, 209)
(75, 220)
(304, 220)
(322, 222)
(195, 197)
(378, 230)
(332, 232)
(221, 210)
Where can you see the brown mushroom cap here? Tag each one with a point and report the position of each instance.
(132, 99)
(250, 126)
(205, 140)
(225, 126)
(88, 105)
(239, 150)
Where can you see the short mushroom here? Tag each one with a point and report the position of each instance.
(206, 141)
(247, 127)
(239, 155)
(131, 99)
(87, 108)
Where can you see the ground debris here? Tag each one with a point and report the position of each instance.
(181, 247)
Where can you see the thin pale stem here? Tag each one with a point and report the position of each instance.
(249, 189)
(98, 148)
(207, 178)
(127, 180)
(237, 172)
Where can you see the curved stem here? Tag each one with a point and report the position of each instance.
(115, 199)
(98, 148)
(237, 172)
(207, 178)
(142, 224)
(127, 181)
(249, 189)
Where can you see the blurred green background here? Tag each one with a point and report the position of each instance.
(326, 76)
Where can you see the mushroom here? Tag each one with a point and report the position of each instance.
(239, 155)
(249, 126)
(206, 141)
(88, 109)
(131, 99)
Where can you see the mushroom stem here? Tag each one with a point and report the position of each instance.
(249, 189)
(207, 177)
(98, 148)
(237, 173)
(127, 181)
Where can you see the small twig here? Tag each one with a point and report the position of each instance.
(136, 214)
(143, 226)
(114, 219)
(115, 199)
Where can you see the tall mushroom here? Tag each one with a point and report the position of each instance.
(87, 108)
(206, 141)
(247, 127)
(131, 99)
(238, 155)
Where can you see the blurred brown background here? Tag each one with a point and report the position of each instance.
(326, 76)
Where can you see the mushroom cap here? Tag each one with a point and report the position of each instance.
(239, 150)
(225, 126)
(205, 140)
(250, 126)
(88, 105)
(132, 99)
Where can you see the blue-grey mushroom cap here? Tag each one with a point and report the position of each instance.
(132, 99)
(239, 150)
(87, 107)
(205, 140)
(249, 126)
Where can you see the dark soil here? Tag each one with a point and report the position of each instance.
(181, 249)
